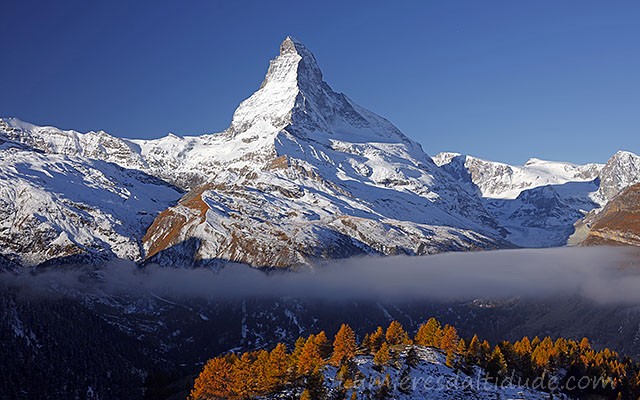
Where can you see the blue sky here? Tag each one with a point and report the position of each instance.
(503, 80)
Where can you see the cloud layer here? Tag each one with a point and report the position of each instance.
(602, 274)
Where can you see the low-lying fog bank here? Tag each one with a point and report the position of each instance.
(601, 274)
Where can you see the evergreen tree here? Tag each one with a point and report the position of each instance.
(376, 339)
(279, 364)
(344, 345)
(243, 379)
(396, 335)
(309, 360)
(214, 380)
(383, 356)
(449, 340)
(473, 351)
(497, 366)
(323, 345)
(429, 333)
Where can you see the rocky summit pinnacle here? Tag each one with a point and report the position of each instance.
(294, 96)
(290, 45)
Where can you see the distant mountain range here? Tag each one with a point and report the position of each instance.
(302, 173)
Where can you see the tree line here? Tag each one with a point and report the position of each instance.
(258, 373)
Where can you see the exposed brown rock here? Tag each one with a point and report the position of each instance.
(166, 229)
(619, 222)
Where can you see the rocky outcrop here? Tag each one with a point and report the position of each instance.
(618, 223)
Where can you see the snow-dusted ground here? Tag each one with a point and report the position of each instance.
(430, 379)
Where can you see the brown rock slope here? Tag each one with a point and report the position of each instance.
(619, 222)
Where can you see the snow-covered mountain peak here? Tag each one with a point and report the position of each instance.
(295, 98)
(273, 103)
(534, 161)
(621, 171)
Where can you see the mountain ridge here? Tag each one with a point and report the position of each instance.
(303, 172)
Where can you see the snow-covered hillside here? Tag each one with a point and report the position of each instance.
(498, 180)
(537, 203)
(54, 206)
(431, 378)
(302, 172)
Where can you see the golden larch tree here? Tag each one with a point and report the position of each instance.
(396, 335)
(344, 345)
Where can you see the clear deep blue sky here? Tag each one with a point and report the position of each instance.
(501, 80)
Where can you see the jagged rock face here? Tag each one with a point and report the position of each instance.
(619, 222)
(621, 171)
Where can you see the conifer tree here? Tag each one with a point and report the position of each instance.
(584, 344)
(535, 342)
(297, 349)
(279, 364)
(214, 380)
(376, 339)
(428, 333)
(461, 356)
(450, 359)
(323, 345)
(462, 347)
(523, 346)
(396, 335)
(243, 378)
(485, 352)
(347, 374)
(309, 360)
(344, 345)
(382, 356)
(540, 358)
(497, 366)
(473, 351)
(366, 343)
(263, 373)
(449, 339)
